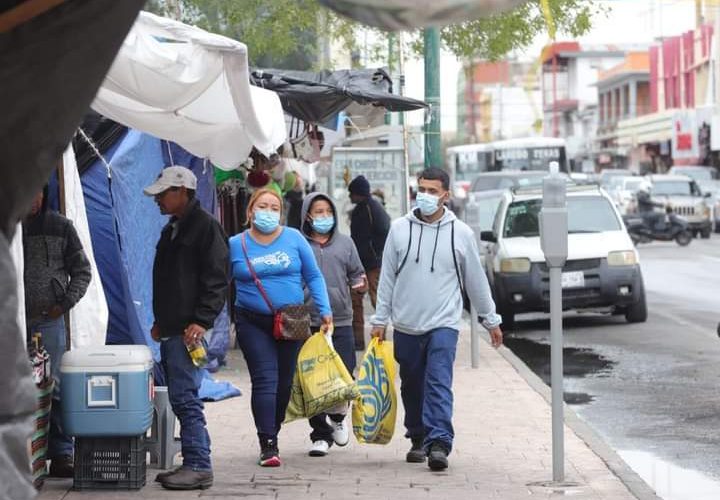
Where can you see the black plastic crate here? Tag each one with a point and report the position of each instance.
(110, 463)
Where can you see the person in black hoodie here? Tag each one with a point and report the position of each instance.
(369, 227)
(190, 278)
(57, 275)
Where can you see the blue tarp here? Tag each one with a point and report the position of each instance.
(125, 226)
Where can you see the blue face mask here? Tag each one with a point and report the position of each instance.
(266, 221)
(323, 225)
(427, 203)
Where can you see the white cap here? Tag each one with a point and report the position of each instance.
(173, 176)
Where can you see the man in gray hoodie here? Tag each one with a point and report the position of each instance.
(344, 274)
(430, 261)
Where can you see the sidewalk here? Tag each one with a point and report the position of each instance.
(502, 447)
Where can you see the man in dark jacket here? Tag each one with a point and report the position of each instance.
(369, 227)
(57, 275)
(189, 285)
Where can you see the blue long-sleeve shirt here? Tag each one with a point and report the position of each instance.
(283, 267)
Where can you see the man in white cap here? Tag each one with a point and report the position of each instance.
(189, 286)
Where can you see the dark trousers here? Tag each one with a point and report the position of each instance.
(183, 380)
(373, 277)
(53, 338)
(344, 344)
(426, 373)
(272, 365)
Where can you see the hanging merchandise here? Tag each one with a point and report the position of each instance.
(411, 14)
(373, 413)
(40, 362)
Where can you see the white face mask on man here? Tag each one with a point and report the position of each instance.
(427, 203)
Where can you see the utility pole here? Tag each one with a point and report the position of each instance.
(391, 71)
(433, 156)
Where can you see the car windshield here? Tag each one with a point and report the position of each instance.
(632, 184)
(586, 214)
(670, 188)
(699, 174)
(480, 213)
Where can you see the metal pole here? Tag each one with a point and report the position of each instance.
(554, 106)
(406, 141)
(556, 364)
(433, 157)
(474, 339)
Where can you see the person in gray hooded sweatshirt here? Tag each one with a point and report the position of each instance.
(431, 260)
(343, 270)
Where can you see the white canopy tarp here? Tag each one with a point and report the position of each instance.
(183, 84)
(89, 317)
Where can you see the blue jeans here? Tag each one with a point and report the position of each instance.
(426, 373)
(183, 380)
(344, 343)
(272, 366)
(53, 338)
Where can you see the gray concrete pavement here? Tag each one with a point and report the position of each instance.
(502, 447)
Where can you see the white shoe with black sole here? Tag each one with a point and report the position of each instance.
(319, 448)
(341, 432)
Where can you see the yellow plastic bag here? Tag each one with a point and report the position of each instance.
(321, 380)
(373, 413)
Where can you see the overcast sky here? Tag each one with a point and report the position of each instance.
(627, 21)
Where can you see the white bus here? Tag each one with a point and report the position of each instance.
(532, 153)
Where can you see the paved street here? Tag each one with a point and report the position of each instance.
(651, 390)
(502, 447)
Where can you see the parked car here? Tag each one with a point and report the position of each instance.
(602, 269)
(607, 174)
(480, 211)
(623, 193)
(697, 172)
(685, 198)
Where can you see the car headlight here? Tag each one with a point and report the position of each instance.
(627, 258)
(515, 265)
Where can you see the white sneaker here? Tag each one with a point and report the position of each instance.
(319, 448)
(341, 433)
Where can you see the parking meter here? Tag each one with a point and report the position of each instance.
(554, 243)
(554, 218)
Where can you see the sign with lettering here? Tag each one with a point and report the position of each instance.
(685, 135)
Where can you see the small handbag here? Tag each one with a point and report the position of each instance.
(290, 322)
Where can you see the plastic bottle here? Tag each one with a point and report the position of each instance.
(198, 354)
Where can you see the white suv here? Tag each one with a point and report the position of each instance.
(602, 270)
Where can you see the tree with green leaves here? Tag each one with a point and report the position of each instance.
(286, 33)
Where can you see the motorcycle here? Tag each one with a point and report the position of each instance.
(673, 228)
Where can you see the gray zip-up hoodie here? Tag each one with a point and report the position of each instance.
(419, 288)
(339, 263)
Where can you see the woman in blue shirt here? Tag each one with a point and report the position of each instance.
(284, 263)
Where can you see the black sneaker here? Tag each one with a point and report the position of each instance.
(269, 453)
(437, 457)
(417, 454)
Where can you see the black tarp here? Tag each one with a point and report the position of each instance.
(317, 97)
(50, 70)
(102, 131)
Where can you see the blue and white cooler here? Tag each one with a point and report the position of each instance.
(107, 391)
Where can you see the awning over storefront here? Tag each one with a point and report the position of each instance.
(653, 128)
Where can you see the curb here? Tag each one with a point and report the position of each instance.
(639, 488)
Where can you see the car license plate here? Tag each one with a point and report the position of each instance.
(573, 280)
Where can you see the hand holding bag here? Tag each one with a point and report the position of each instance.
(290, 322)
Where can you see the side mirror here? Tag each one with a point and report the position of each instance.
(488, 236)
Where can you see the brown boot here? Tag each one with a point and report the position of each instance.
(162, 475)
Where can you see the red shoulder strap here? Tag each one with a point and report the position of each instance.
(254, 275)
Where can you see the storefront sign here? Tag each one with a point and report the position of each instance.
(685, 135)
